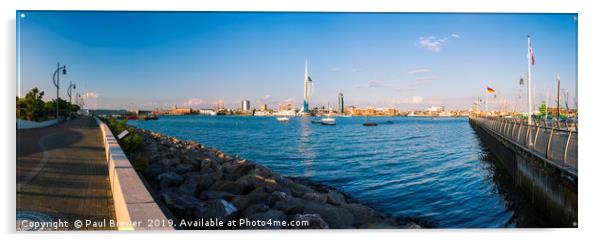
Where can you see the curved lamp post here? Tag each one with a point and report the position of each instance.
(55, 80)
(69, 91)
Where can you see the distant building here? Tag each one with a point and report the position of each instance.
(341, 108)
(435, 109)
(180, 111)
(285, 107)
(263, 107)
(219, 105)
(245, 105)
(210, 112)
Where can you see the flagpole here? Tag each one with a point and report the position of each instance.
(530, 56)
(486, 103)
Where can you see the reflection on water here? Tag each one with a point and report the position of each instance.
(436, 170)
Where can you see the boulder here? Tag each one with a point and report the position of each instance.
(315, 221)
(255, 208)
(214, 209)
(314, 196)
(231, 187)
(208, 195)
(181, 205)
(361, 214)
(184, 168)
(335, 198)
(335, 217)
(292, 206)
(239, 168)
(169, 179)
(191, 186)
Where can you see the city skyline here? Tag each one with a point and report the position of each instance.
(407, 61)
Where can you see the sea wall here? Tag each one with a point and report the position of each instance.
(198, 183)
(551, 194)
(134, 206)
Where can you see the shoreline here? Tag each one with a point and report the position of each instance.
(197, 183)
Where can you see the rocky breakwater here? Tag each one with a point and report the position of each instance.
(198, 183)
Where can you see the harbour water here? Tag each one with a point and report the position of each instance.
(435, 170)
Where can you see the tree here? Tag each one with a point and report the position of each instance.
(543, 109)
(31, 107)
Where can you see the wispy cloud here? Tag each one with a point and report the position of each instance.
(266, 97)
(432, 43)
(419, 71)
(454, 35)
(408, 100)
(289, 100)
(193, 102)
(375, 84)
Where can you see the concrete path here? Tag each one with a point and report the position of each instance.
(62, 174)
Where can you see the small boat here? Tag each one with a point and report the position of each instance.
(151, 117)
(366, 123)
(328, 121)
(282, 119)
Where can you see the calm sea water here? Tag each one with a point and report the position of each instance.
(436, 170)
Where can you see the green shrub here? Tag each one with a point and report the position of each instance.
(139, 162)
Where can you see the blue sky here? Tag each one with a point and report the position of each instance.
(409, 61)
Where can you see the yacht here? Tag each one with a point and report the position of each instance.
(282, 119)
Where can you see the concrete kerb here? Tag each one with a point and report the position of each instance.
(134, 206)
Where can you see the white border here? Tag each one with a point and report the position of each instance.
(589, 88)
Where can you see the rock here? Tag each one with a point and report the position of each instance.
(191, 186)
(208, 165)
(335, 217)
(181, 205)
(335, 198)
(239, 168)
(362, 214)
(184, 168)
(208, 195)
(214, 209)
(206, 181)
(281, 196)
(153, 171)
(412, 225)
(255, 208)
(269, 217)
(230, 186)
(257, 196)
(169, 179)
(292, 206)
(298, 190)
(315, 221)
(314, 196)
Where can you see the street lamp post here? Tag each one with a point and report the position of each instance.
(69, 91)
(56, 81)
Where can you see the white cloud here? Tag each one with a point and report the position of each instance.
(457, 36)
(432, 43)
(289, 100)
(266, 97)
(409, 100)
(375, 84)
(194, 102)
(91, 95)
(419, 71)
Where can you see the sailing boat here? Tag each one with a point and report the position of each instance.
(366, 123)
(329, 119)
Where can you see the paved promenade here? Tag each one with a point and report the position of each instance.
(62, 174)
